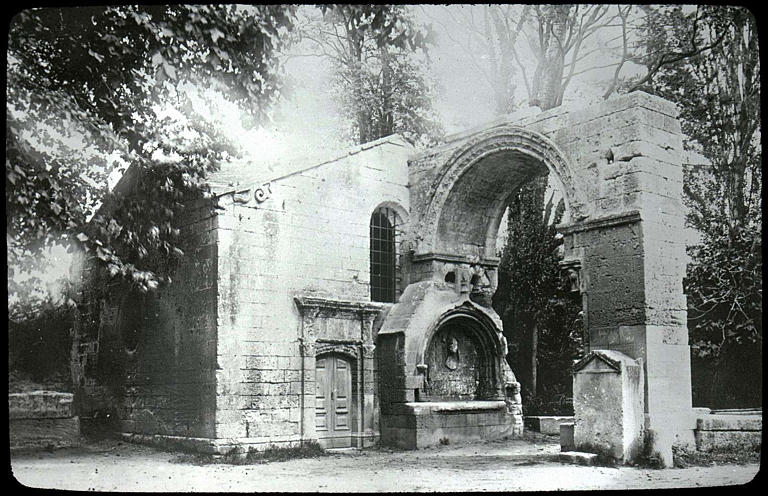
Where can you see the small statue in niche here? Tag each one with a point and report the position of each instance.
(452, 358)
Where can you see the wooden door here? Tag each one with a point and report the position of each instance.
(333, 385)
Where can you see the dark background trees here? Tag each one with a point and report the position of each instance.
(718, 92)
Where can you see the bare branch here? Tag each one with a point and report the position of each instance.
(672, 57)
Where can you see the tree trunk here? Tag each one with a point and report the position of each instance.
(555, 59)
(387, 124)
(548, 78)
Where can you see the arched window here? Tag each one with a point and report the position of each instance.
(385, 230)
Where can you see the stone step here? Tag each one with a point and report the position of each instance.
(738, 411)
(578, 458)
(728, 440)
(546, 424)
(44, 433)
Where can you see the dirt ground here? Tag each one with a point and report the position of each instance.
(513, 465)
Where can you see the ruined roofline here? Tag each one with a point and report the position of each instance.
(529, 115)
(123, 184)
(299, 165)
(518, 118)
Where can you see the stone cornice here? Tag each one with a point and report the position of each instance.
(448, 257)
(631, 217)
(358, 307)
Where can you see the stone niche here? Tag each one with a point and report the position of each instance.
(442, 370)
(457, 365)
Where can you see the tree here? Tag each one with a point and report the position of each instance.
(111, 72)
(382, 89)
(120, 79)
(718, 92)
(541, 47)
(540, 314)
(487, 35)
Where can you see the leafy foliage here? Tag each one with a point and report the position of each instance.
(533, 297)
(718, 93)
(382, 88)
(122, 79)
(113, 72)
(391, 92)
(39, 341)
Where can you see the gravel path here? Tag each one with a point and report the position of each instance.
(514, 465)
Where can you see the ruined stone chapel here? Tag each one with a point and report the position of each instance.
(347, 301)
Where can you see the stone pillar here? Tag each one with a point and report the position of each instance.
(608, 405)
(632, 253)
(307, 348)
(369, 415)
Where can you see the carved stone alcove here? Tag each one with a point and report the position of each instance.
(337, 350)
(571, 272)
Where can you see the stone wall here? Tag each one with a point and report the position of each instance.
(626, 155)
(42, 419)
(619, 166)
(146, 363)
(308, 235)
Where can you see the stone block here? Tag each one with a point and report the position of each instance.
(40, 404)
(730, 423)
(608, 404)
(566, 437)
(728, 440)
(549, 425)
(44, 432)
(578, 458)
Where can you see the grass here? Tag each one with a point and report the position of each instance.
(269, 455)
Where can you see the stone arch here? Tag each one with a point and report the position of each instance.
(468, 197)
(401, 212)
(486, 328)
(349, 351)
(483, 332)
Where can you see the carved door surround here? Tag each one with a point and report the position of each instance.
(341, 329)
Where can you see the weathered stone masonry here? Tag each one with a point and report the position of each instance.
(149, 361)
(274, 300)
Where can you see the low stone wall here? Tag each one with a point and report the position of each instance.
(420, 424)
(42, 419)
(731, 431)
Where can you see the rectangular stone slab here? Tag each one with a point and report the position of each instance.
(44, 433)
(40, 404)
(730, 423)
(549, 425)
(728, 440)
(566, 437)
